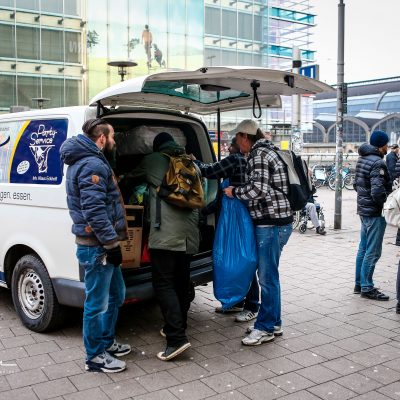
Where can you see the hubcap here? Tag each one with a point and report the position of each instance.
(31, 294)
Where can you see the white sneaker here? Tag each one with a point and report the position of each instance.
(105, 363)
(246, 316)
(232, 309)
(257, 337)
(278, 330)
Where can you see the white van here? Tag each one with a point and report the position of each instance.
(37, 249)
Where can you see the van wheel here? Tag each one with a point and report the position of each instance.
(33, 295)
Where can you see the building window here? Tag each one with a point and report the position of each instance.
(213, 21)
(7, 41)
(28, 4)
(228, 57)
(7, 92)
(212, 57)
(229, 23)
(73, 47)
(245, 26)
(52, 6)
(28, 43)
(52, 45)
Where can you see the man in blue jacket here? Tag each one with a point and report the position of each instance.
(373, 185)
(99, 224)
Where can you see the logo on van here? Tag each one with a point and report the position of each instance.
(41, 144)
(5, 142)
(23, 166)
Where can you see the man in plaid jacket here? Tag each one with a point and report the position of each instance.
(266, 191)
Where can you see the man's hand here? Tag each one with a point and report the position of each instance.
(191, 156)
(114, 256)
(228, 191)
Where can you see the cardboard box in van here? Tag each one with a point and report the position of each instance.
(132, 248)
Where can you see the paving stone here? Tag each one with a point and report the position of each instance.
(296, 344)
(392, 390)
(371, 396)
(195, 390)
(123, 389)
(39, 361)
(302, 395)
(215, 349)
(331, 391)
(329, 351)
(54, 388)
(6, 333)
(224, 382)
(17, 341)
(317, 338)
(382, 374)
(3, 384)
(26, 378)
(386, 352)
(262, 390)
(62, 370)
(246, 357)
(25, 393)
(306, 358)
(291, 382)
(253, 373)
(233, 395)
(42, 348)
(372, 338)
(358, 383)
(155, 365)
(189, 372)
(394, 364)
(352, 344)
(318, 374)
(13, 354)
(68, 355)
(88, 380)
(365, 358)
(95, 394)
(157, 381)
(280, 365)
(209, 337)
(132, 371)
(217, 365)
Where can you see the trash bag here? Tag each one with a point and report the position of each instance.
(234, 253)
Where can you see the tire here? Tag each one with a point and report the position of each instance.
(296, 219)
(332, 182)
(303, 228)
(349, 181)
(33, 295)
(318, 183)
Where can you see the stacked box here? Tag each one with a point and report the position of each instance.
(132, 247)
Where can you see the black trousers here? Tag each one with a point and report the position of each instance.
(398, 237)
(171, 280)
(398, 283)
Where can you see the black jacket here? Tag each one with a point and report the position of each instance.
(391, 160)
(397, 169)
(372, 181)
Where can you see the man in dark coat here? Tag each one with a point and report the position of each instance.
(99, 224)
(391, 160)
(373, 185)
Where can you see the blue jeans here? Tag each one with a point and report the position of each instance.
(252, 300)
(105, 294)
(270, 242)
(369, 250)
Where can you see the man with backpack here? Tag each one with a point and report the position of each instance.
(267, 193)
(174, 236)
(373, 185)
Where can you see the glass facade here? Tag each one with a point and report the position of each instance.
(156, 34)
(41, 52)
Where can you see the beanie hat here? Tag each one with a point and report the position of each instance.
(160, 139)
(378, 139)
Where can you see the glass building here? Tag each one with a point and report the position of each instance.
(41, 52)
(157, 34)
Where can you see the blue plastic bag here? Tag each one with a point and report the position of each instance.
(234, 253)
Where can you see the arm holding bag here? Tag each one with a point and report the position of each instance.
(234, 253)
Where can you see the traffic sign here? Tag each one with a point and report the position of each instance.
(310, 71)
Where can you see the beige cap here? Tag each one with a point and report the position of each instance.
(246, 126)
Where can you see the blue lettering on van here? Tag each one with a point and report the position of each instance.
(37, 154)
(5, 142)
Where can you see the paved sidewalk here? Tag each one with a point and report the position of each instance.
(335, 346)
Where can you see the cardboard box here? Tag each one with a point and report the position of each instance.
(132, 248)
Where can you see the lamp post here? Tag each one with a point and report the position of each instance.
(40, 101)
(340, 109)
(122, 66)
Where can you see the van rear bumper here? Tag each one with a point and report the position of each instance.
(72, 293)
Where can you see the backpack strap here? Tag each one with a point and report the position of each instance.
(157, 223)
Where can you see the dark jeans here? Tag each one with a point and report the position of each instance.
(398, 237)
(252, 299)
(398, 283)
(171, 280)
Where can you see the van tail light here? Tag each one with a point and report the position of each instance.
(132, 300)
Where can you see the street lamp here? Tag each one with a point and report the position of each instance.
(40, 101)
(122, 66)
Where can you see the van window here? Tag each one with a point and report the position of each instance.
(30, 151)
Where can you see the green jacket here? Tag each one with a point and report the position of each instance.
(179, 227)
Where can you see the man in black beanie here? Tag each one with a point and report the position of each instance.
(373, 185)
(172, 240)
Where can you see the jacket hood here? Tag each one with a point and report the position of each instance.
(264, 143)
(76, 148)
(367, 149)
(171, 148)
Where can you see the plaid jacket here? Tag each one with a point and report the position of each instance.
(232, 167)
(265, 171)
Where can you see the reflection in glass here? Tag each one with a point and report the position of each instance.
(52, 45)
(7, 41)
(7, 92)
(28, 42)
(72, 47)
(177, 16)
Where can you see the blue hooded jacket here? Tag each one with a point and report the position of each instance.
(94, 200)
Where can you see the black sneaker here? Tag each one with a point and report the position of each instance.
(375, 294)
(398, 308)
(357, 289)
(320, 231)
(171, 352)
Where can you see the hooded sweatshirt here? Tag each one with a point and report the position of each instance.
(93, 196)
(372, 181)
(265, 171)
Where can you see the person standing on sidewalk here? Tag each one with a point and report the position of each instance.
(234, 168)
(172, 241)
(99, 224)
(373, 186)
(266, 192)
(391, 161)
